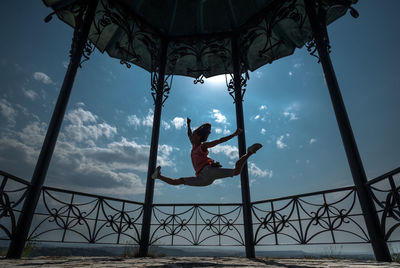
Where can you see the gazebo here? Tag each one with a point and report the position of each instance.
(196, 39)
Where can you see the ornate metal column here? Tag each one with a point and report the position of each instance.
(160, 92)
(78, 48)
(237, 94)
(321, 41)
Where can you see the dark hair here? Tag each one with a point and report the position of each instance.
(203, 131)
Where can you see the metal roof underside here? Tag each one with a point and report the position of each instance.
(199, 32)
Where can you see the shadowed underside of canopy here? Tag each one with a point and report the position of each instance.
(199, 32)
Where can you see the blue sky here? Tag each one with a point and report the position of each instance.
(104, 143)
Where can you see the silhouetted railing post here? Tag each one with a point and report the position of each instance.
(148, 202)
(81, 32)
(244, 176)
(318, 25)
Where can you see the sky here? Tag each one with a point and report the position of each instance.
(104, 142)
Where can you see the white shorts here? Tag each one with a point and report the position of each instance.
(207, 176)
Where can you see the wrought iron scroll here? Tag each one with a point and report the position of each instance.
(310, 219)
(131, 29)
(72, 217)
(199, 50)
(311, 45)
(199, 79)
(12, 194)
(326, 217)
(322, 12)
(79, 13)
(78, 10)
(197, 225)
(231, 85)
(290, 11)
(164, 91)
(385, 191)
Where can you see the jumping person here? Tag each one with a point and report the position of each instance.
(207, 170)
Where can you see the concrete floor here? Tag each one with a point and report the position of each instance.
(186, 262)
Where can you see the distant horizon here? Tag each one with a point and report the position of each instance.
(104, 143)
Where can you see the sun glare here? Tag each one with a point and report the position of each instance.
(217, 80)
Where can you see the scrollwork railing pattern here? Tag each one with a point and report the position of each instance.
(328, 217)
(197, 225)
(385, 193)
(66, 216)
(12, 194)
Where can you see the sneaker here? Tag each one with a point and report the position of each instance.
(156, 173)
(254, 148)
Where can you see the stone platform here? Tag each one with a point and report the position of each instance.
(186, 262)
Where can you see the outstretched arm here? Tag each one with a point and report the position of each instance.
(189, 130)
(210, 144)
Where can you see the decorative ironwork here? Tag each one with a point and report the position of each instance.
(200, 51)
(199, 79)
(231, 86)
(326, 217)
(12, 194)
(89, 47)
(310, 219)
(197, 224)
(269, 31)
(385, 192)
(115, 16)
(67, 216)
(164, 92)
(87, 51)
(311, 45)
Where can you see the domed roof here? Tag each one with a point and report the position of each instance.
(199, 33)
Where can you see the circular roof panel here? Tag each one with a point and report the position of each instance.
(199, 33)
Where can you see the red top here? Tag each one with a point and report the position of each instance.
(200, 159)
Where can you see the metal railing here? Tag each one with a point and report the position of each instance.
(324, 217)
(385, 193)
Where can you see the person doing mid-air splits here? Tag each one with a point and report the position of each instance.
(207, 170)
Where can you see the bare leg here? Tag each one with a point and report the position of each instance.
(241, 162)
(170, 181)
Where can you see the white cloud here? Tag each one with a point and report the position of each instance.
(258, 172)
(33, 134)
(279, 142)
(109, 169)
(30, 94)
(290, 112)
(218, 116)
(224, 131)
(83, 126)
(291, 115)
(178, 122)
(290, 73)
(44, 78)
(263, 131)
(133, 120)
(230, 151)
(8, 112)
(297, 65)
(312, 140)
(165, 125)
(263, 113)
(148, 119)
